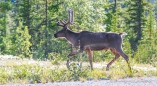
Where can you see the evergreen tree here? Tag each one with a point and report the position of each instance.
(115, 20)
(136, 21)
(25, 12)
(4, 27)
(146, 53)
(38, 17)
(21, 43)
(32, 23)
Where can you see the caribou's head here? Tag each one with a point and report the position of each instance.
(64, 24)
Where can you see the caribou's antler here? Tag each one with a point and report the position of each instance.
(70, 19)
(71, 16)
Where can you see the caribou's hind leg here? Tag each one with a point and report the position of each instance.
(116, 57)
(90, 56)
(120, 51)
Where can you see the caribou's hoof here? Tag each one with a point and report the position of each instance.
(71, 54)
(107, 68)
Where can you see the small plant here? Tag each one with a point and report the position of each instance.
(36, 73)
(55, 58)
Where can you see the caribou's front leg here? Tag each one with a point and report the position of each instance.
(77, 51)
(71, 46)
(74, 52)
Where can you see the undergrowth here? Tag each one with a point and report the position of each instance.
(35, 73)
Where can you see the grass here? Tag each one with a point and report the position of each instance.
(30, 71)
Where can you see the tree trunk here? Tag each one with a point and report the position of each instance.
(46, 34)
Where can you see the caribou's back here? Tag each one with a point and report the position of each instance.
(100, 40)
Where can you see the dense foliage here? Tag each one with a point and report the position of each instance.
(27, 26)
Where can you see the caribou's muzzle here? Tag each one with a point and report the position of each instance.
(55, 35)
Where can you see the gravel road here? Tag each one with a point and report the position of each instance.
(142, 81)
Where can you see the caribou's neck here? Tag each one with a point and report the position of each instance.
(71, 36)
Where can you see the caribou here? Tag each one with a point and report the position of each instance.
(91, 41)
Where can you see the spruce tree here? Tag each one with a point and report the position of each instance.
(136, 21)
(5, 42)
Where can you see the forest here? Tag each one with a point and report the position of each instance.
(27, 27)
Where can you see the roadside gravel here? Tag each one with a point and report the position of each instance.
(140, 81)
